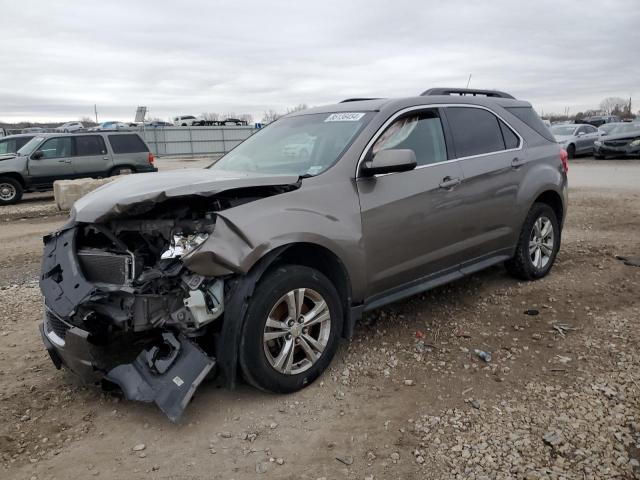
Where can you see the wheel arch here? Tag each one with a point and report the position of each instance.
(554, 200)
(16, 176)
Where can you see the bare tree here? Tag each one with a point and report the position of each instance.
(612, 104)
(297, 108)
(210, 116)
(270, 116)
(246, 117)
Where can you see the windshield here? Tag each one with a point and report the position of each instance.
(562, 129)
(304, 145)
(30, 146)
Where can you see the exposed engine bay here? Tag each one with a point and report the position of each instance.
(121, 306)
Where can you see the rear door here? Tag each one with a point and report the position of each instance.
(586, 135)
(55, 163)
(493, 164)
(129, 151)
(411, 220)
(91, 158)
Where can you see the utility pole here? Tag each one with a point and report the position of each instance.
(95, 111)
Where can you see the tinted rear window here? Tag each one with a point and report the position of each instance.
(531, 118)
(127, 144)
(475, 131)
(90, 145)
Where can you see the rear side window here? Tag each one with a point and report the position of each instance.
(7, 146)
(420, 132)
(531, 118)
(90, 145)
(475, 131)
(127, 144)
(511, 140)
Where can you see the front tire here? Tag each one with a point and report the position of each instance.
(10, 191)
(538, 244)
(292, 329)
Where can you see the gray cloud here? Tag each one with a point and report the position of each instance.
(59, 58)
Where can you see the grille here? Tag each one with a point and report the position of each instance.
(106, 267)
(616, 143)
(57, 326)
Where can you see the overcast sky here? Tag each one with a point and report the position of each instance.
(187, 57)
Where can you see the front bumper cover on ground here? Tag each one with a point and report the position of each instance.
(167, 376)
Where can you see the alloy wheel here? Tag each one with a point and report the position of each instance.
(297, 331)
(541, 242)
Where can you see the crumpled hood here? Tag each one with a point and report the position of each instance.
(620, 136)
(147, 189)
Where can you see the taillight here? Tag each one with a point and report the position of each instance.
(153, 159)
(564, 158)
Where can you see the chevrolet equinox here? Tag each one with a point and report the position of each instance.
(259, 264)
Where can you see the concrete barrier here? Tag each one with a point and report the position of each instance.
(67, 192)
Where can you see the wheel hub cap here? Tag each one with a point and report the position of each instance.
(7, 191)
(297, 331)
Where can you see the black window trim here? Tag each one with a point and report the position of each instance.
(447, 133)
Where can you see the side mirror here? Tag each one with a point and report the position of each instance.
(37, 155)
(389, 161)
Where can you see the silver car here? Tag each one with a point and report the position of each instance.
(576, 139)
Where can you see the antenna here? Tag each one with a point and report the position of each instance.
(468, 81)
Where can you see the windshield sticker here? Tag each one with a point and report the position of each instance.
(344, 117)
(314, 170)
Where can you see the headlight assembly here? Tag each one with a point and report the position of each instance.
(182, 245)
(635, 143)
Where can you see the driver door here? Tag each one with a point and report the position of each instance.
(412, 221)
(55, 163)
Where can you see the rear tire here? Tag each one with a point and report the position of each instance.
(10, 191)
(287, 354)
(538, 244)
(571, 151)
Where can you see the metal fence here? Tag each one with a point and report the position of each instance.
(194, 141)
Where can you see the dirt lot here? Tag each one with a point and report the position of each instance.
(407, 398)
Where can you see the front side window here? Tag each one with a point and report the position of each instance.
(89, 145)
(59, 147)
(421, 132)
(475, 131)
(304, 145)
(30, 146)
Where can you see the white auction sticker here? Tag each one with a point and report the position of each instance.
(345, 117)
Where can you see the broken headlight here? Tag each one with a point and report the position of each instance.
(182, 245)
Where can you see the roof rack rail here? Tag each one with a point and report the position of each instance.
(358, 99)
(466, 91)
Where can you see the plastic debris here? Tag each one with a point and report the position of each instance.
(486, 356)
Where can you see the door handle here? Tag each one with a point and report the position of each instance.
(64, 161)
(517, 162)
(448, 182)
(105, 158)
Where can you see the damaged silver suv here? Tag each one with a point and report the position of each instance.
(259, 264)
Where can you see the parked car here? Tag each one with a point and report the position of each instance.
(48, 157)
(576, 139)
(186, 121)
(621, 141)
(70, 127)
(157, 123)
(261, 262)
(616, 128)
(597, 120)
(11, 144)
(33, 130)
(111, 126)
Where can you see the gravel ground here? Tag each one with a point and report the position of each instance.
(408, 398)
